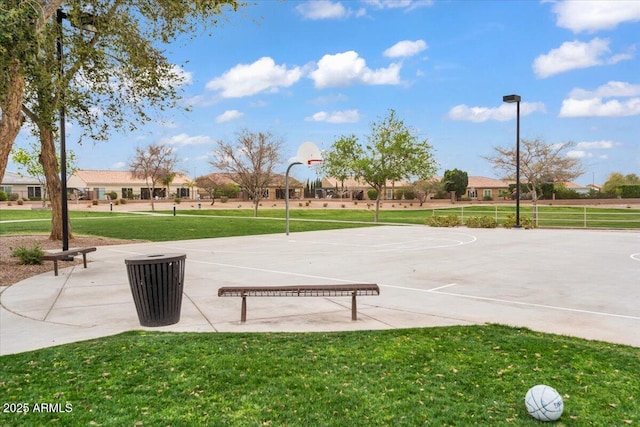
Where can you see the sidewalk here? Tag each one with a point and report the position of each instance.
(541, 279)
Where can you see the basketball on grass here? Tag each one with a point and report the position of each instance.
(544, 403)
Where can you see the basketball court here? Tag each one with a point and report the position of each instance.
(574, 282)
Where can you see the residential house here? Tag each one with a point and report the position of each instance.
(22, 187)
(483, 188)
(354, 189)
(96, 184)
(274, 191)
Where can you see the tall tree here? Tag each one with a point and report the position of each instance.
(153, 164)
(456, 182)
(616, 179)
(392, 153)
(539, 163)
(28, 161)
(250, 161)
(112, 77)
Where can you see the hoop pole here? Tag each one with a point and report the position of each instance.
(286, 196)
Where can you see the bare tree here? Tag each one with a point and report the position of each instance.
(539, 163)
(153, 164)
(250, 162)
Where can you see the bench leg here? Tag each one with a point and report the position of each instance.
(84, 259)
(55, 267)
(354, 308)
(243, 310)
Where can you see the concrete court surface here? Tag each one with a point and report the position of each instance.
(573, 282)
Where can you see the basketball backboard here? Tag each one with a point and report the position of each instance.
(309, 154)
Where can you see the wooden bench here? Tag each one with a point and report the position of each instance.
(65, 255)
(352, 290)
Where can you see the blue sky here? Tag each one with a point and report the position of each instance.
(316, 70)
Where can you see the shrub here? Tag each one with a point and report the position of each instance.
(112, 195)
(123, 201)
(443, 221)
(372, 194)
(177, 200)
(20, 201)
(3, 196)
(94, 202)
(409, 194)
(13, 197)
(482, 222)
(32, 256)
(525, 221)
(224, 199)
(487, 198)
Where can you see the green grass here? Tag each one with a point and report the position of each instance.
(168, 228)
(196, 224)
(472, 375)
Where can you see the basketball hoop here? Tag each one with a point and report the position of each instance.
(312, 162)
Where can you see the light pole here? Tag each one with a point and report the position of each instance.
(88, 21)
(60, 15)
(511, 99)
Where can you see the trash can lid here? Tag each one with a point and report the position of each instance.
(155, 258)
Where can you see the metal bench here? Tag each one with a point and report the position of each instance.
(65, 255)
(352, 290)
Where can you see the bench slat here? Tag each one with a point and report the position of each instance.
(63, 255)
(299, 290)
(352, 290)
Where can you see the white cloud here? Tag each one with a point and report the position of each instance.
(119, 165)
(595, 15)
(596, 107)
(347, 68)
(503, 113)
(595, 145)
(229, 115)
(574, 55)
(321, 9)
(593, 103)
(184, 139)
(399, 4)
(250, 79)
(405, 48)
(610, 89)
(578, 154)
(347, 116)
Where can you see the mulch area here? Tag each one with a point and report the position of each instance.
(11, 271)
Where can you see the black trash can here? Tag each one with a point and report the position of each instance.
(156, 283)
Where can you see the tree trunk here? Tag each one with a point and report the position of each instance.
(377, 214)
(49, 162)
(256, 202)
(11, 120)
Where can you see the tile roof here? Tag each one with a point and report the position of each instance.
(119, 176)
(18, 179)
(484, 182)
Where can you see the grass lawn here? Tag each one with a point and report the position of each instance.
(474, 375)
(460, 376)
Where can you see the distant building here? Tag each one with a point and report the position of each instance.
(354, 189)
(26, 187)
(96, 184)
(276, 190)
(481, 188)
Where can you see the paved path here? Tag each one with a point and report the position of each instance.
(574, 282)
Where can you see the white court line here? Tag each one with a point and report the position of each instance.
(433, 290)
(635, 256)
(264, 270)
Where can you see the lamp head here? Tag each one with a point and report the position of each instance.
(511, 98)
